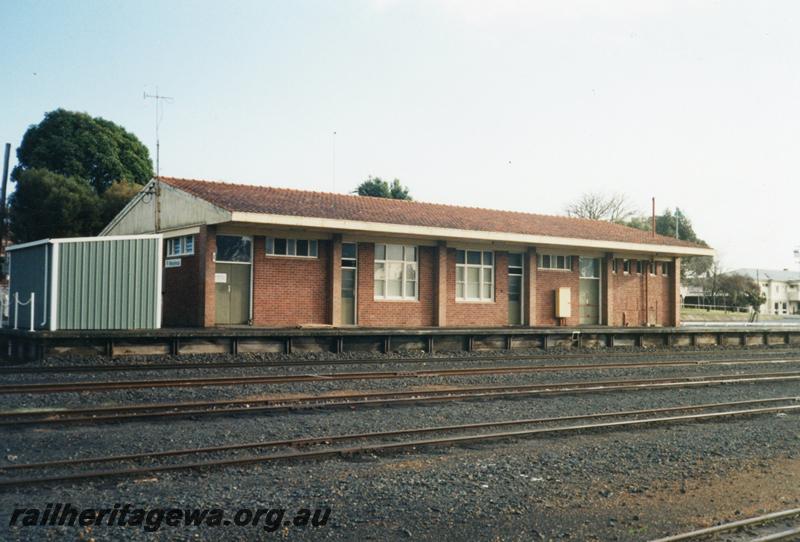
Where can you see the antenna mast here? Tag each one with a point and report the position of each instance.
(333, 166)
(158, 99)
(157, 185)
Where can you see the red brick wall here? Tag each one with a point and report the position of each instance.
(635, 295)
(290, 291)
(183, 287)
(484, 314)
(547, 282)
(372, 313)
(295, 291)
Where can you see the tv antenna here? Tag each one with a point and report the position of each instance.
(159, 115)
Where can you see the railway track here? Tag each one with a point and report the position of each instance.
(18, 419)
(411, 439)
(93, 386)
(27, 369)
(783, 525)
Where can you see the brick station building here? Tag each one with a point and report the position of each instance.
(273, 257)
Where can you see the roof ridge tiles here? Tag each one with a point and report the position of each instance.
(370, 209)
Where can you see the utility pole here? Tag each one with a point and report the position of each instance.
(333, 167)
(157, 185)
(3, 190)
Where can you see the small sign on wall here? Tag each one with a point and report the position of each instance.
(221, 278)
(172, 262)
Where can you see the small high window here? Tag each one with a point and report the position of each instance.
(549, 261)
(665, 268)
(626, 267)
(180, 246)
(300, 248)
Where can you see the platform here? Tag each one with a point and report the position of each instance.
(25, 345)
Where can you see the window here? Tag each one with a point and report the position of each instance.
(232, 248)
(639, 267)
(514, 264)
(614, 265)
(665, 268)
(548, 261)
(180, 246)
(474, 275)
(301, 248)
(626, 267)
(589, 268)
(349, 251)
(395, 272)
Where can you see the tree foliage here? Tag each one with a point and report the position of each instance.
(378, 188)
(677, 224)
(115, 198)
(47, 204)
(597, 206)
(94, 149)
(741, 291)
(91, 165)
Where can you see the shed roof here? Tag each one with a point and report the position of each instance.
(301, 203)
(768, 274)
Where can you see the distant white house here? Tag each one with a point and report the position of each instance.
(781, 288)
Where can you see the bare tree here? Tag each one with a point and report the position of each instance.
(597, 206)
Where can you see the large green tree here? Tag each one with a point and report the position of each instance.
(45, 202)
(741, 291)
(378, 188)
(78, 145)
(677, 224)
(92, 164)
(115, 198)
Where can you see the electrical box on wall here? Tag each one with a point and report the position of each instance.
(563, 302)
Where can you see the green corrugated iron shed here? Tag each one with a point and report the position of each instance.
(87, 283)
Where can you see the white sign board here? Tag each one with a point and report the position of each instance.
(172, 262)
(221, 277)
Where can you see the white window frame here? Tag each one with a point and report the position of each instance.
(386, 262)
(177, 246)
(553, 259)
(482, 268)
(269, 247)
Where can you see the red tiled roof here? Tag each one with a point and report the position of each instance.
(285, 201)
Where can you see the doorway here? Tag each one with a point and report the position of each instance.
(349, 282)
(515, 274)
(232, 279)
(589, 297)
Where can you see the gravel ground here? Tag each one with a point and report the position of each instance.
(603, 485)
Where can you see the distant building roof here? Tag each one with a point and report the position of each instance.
(299, 203)
(768, 274)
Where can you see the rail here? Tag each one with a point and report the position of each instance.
(629, 420)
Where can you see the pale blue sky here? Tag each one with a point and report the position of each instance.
(512, 105)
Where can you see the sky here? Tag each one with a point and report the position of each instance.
(518, 105)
